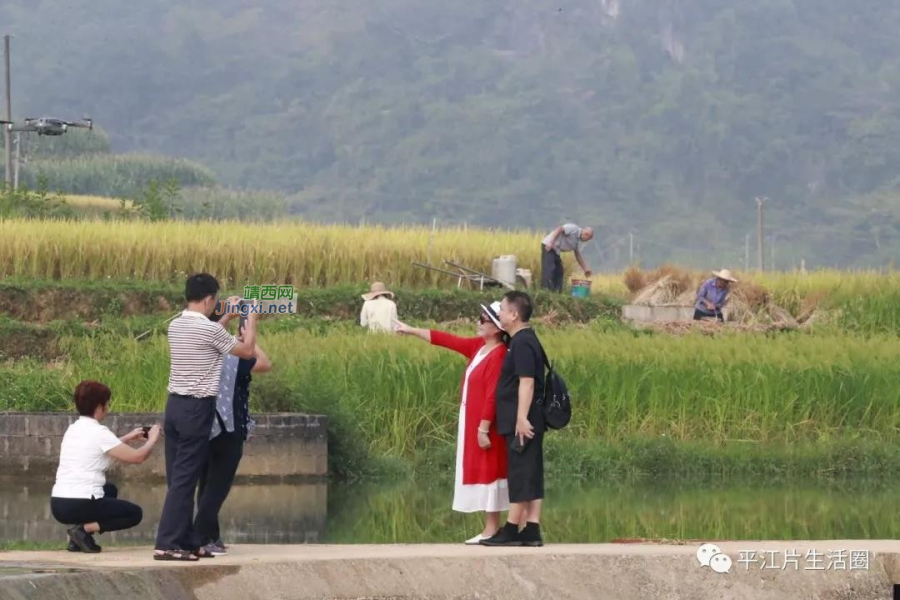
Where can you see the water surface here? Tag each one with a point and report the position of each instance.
(410, 513)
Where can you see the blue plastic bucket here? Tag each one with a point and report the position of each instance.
(581, 288)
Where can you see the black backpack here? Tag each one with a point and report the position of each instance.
(555, 404)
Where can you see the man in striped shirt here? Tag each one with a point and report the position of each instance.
(196, 349)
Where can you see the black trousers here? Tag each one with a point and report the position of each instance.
(708, 314)
(551, 270)
(225, 452)
(188, 423)
(109, 512)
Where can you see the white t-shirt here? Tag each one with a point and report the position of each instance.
(378, 314)
(83, 460)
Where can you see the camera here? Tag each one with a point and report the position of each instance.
(243, 320)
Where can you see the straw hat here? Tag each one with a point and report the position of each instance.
(377, 289)
(725, 274)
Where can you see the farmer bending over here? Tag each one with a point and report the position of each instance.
(712, 295)
(565, 238)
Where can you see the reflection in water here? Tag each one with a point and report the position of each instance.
(407, 513)
(258, 514)
(727, 510)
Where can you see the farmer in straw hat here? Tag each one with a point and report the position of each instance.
(713, 294)
(379, 310)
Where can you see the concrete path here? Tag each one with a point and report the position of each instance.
(647, 571)
(139, 557)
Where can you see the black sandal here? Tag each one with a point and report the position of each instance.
(182, 555)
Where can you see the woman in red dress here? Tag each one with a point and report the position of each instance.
(480, 451)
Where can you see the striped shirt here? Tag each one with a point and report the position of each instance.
(196, 349)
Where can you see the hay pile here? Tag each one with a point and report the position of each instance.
(713, 328)
(749, 307)
(666, 286)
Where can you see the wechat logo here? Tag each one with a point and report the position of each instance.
(710, 555)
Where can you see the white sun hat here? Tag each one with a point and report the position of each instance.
(493, 312)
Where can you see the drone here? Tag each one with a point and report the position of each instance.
(47, 126)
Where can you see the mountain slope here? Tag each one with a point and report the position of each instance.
(652, 116)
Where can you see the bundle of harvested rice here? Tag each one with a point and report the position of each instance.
(810, 305)
(635, 279)
(663, 292)
(666, 285)
(750, 293)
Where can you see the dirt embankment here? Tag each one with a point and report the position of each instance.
(43, 305)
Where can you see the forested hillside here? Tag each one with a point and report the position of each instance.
(659, 117)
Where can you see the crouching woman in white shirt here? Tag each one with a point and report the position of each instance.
(81, 497)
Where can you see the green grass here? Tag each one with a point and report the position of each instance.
(643, 403)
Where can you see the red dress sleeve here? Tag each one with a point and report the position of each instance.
(465, 346)
(492, 365)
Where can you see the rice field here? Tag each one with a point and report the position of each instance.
(323, 255)
(242, 253)
(398, 397)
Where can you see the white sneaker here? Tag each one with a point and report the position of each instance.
(475, 541)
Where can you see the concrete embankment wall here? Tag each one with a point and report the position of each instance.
(282, 445)
(441, 572)
(274, 513)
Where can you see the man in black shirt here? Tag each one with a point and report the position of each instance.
(521, 420)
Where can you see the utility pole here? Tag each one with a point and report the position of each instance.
(431, 237)
(772, 252)
(8, 136)
(746, 252)
(18, 160)
(760, 200)
(630, 248)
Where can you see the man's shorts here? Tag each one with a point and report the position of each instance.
(525, 475)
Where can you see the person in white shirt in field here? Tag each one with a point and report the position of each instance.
(379, 310)
(81, 496)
